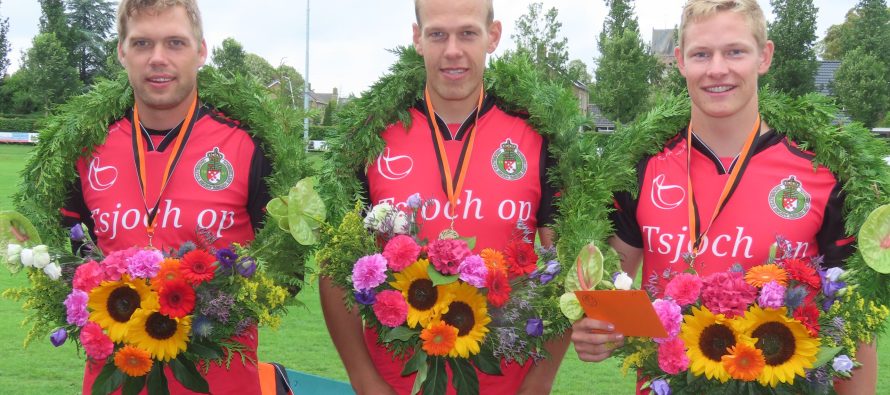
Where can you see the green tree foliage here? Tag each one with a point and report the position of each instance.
(46, 76)
(578, 71)
(838, 37)
(794, 33)
(90, 25)
(861, 86)
(260, 68)
(4, 46)
(230, 57)
(54, 20)
(537, 33)
(625, 68)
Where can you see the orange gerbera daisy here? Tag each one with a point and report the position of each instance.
(758, 276)
(439, 339)
(169, 271)
(744, 362)
(198, 266)
(494, 260)
(133, 361)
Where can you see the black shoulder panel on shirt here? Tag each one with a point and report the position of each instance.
(793, 149)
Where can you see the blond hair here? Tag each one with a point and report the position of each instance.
(129, 8)
(489, 18)
(696, 10)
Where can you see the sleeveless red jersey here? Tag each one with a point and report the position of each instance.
(505, 183)
(781, 193)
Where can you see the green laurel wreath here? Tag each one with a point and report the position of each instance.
(82, 123)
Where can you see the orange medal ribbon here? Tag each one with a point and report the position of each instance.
(140, 149)
(735, 176)
(453, 187)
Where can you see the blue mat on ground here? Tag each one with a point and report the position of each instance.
(310, 384)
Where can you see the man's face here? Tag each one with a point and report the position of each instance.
(162, 57)
(454, 39)
(721, 62)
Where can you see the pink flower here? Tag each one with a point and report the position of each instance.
(88, 276)
(727, 293)
(76, 307)
(670, 314)
(473, 271)
(401, 252)
(95, 342)
(772, 295)
(369, 272)
(684, 288)
(115, 264)
(447, 255)
(672, 357)
(145, 263)
(391, 308)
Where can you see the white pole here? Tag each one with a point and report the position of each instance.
(306, 87)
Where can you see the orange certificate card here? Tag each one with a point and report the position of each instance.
(630, 311)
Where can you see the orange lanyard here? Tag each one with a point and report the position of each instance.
(142, 171)
(453, 187)
(735, 176)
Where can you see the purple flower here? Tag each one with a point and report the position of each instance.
(842, 364)
(246, 266)
(830, 285)
(76, 307)
(76, 232)
(534, 327)
(58, 337)
(366, 297)
(145, 263)
(202, 326)
(226, 258)
(660, 387)
(473, 271)
(550, 270)
(772, 295)
(369, 271)
(414, 201)
(794, 297)
(217, 307)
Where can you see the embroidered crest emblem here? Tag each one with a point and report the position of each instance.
(508, 161)
(789, 200)
(214, 172)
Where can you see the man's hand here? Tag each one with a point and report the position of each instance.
(595, 340)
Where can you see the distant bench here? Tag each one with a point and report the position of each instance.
(18, 137)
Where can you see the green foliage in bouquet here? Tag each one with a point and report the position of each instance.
(346, 243)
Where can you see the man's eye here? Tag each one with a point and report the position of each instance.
(177, 43)
(140, 43)
(437, 35)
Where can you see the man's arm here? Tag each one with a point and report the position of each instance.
(865, 378)
(631, 257)
(346, 331)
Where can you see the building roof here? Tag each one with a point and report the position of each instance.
(825, 75)
(599, 120)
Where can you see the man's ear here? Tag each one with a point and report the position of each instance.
(766, 57)
(681, 63)
(494, 35)
(417, 31)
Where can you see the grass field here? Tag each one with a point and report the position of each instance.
(302, 343)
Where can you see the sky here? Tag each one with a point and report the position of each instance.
(349, 38)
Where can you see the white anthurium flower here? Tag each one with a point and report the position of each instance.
(13, 253)
(623, 281)
(27, 257)
(41, 256)
(400, 223)
(377, 217)
(53, 270)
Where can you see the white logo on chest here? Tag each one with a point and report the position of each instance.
(101, 177)
(394, 167)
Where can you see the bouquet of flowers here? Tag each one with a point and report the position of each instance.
(786, 326)
(436, 302)
(137, 311)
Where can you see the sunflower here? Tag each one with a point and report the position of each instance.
(133, 361)
(112, 304)
(439, 339)
(759, 275)
(744, 362)
(425, 301)
(708, 338)
(162, 336)
(468, 313)
(786, 344)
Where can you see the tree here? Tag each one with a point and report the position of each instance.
(860, 84)
(837, 36)
(625, 68)
(866, 26)
(47, 78)
(53, 20)
(794, 34)
(577, 71)
(537, 34)
(230, 57)
(91, 22)
(4, 45)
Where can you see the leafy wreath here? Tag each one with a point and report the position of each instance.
(82, 124)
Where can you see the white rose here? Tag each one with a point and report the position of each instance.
(13, 252)
(623, 281)
(41, 256)
(400, 223)
(27, 257)
(834, 273)
(53, 270)
(376, 218)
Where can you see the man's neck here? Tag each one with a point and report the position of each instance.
(725, 136)
(162, 119)
(454, 111)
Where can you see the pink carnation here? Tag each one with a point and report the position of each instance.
(95, 342)
(727, 293)
(401, 252)
(672, 357)
(369, 272)
(76, 307)
(684, 288)
(145, 263)
(447, 255)
(473, 271)
(116, 263)
(772, 295)
(88, 276)
(671, 316)
(391, 308)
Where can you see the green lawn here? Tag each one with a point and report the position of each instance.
(302, 343)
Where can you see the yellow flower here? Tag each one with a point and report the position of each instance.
(425, 301)
(468, 312)
(786, 344)
(758, 276)
(113, 303)
(162, 336)
(708, 338)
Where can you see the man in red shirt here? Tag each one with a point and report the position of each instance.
(456, 126)
(742, 182)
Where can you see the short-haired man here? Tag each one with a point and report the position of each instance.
(735, 161)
